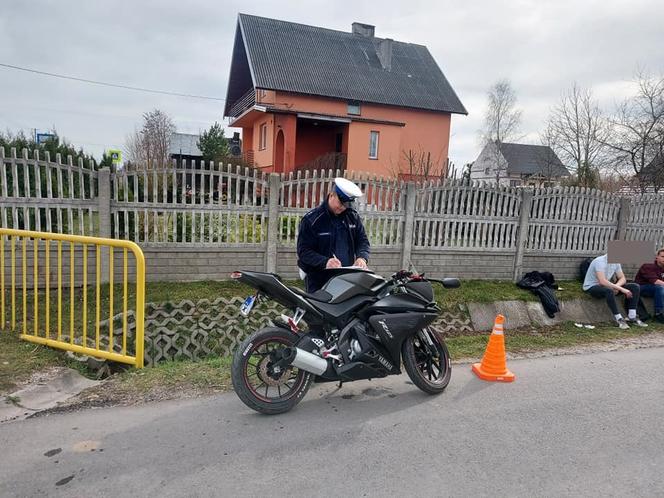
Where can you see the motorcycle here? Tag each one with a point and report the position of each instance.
(360, 326)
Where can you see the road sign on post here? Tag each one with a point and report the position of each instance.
(44, 137)
(116, 156)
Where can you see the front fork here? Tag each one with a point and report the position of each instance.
(427, 339)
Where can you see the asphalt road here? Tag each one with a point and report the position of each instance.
(583, 425)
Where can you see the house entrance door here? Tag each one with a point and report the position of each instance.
(279, 153)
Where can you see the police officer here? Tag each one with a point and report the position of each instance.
(332, 235)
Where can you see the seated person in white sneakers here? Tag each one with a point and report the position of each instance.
(598, 284)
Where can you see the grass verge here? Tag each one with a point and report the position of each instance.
(186, 378)
(488, 291)
(20, 359)
(182, 379)
(210, 373)
(562, 336)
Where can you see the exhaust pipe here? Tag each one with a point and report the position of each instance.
(304, 360)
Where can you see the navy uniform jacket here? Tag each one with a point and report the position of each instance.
(322, 235)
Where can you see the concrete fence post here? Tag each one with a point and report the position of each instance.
(409, 226)
(522, 234)
(104, 207)
(273, 223)
(623, 218)
(104, 202)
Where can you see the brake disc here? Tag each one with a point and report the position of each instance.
(264, 373)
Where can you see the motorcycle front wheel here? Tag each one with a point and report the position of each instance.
(257, 382)
(427, 361)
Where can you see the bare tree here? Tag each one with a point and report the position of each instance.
(133, 150)
(501, 122)
(149, 146)
(637, 128)
(421, 165)
(576, 131)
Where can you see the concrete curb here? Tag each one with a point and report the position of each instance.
(519, 314)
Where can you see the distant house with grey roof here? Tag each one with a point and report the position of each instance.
(518, 165)
(651, 177)
(184, 148)
(304, 94)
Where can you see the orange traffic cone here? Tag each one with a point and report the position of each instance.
(494, 365)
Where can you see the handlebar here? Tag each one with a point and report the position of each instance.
(405, 276)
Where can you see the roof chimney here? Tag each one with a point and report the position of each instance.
(385, 53)
(363, 29)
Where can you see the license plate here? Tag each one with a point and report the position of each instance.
(247, 305)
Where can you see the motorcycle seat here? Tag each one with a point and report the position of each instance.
(320, 295)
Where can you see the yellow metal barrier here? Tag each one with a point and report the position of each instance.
(76, 339)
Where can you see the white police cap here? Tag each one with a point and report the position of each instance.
(348, 190)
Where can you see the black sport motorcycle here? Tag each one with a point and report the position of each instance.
(360, 326)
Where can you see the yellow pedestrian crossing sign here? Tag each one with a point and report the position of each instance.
(116, 156)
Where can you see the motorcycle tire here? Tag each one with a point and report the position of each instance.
(254, 381)
(430, 370)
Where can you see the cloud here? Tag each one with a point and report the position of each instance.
(542, 47)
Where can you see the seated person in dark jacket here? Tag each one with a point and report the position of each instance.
(332, 235)
(598, 283)
(651, 279)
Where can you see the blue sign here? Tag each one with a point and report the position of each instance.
(44, 137)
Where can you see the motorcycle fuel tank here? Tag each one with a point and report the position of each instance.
(348, 285)
(397, 303)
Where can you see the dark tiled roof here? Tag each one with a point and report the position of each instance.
(532, 159)
(310, 60)
(654, 170)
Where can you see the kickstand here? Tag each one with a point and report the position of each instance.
(341, 383)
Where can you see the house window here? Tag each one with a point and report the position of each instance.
(262, 138)
(487, 171)
(515, 183)
(354, 108)
(373, 145)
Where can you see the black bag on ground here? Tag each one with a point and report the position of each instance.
(542, 284)
(548, 299)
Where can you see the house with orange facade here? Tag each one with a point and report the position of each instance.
(308, 98)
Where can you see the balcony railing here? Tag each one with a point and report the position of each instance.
(244, 103)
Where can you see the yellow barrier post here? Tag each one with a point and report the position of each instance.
(2, 279)
(47, 285)
(98, 350)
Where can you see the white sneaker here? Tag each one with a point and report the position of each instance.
(622, 324)
(637, 322)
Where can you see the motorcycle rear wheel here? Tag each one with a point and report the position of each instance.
(254, 380)
(427, 365)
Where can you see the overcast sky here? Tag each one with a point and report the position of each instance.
(542, 47)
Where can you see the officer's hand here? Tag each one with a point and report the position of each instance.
(361, 262)
(333, 263)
